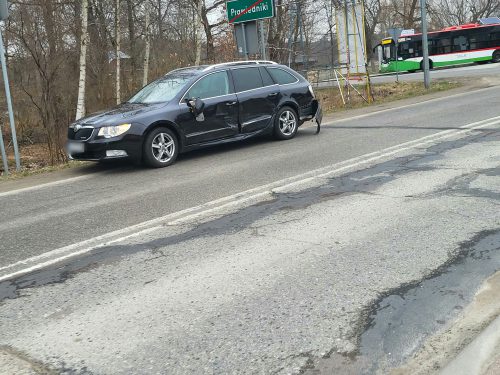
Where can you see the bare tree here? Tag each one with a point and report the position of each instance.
(199, 30)
(80, 107)
(147, 48)
(118, 51)
(457, 12)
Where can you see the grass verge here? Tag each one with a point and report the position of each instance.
(331, 100)
(33, 170)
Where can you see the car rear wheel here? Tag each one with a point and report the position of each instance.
(286, 123)
(161, 148)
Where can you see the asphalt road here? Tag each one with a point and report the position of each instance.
(37, 221)
(265, 288)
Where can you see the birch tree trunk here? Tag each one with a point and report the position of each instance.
(148, 45)
(118, 47)
(199, 31)
(80, 106)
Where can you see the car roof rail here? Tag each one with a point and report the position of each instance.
(236, 63)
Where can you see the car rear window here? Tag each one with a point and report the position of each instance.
(281, 76)
(247, 79)
(266, 77)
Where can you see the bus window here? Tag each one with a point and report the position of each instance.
(473, 42)
(404, 50)
(479, 40)
(460, 43)
(444, 45)
(494, 39)
(432, 47)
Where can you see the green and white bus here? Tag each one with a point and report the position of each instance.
(451, 46)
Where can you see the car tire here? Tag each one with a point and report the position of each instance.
(161, 148)
(286, 123)
(496, 56)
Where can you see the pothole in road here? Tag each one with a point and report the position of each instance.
(402, 320)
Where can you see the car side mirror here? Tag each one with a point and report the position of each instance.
(197, 106)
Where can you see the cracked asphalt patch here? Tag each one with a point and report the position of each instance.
(272, 288)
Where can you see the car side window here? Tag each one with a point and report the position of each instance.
(281, 76)
(210, 86)
(247, 79)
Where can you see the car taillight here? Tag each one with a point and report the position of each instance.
(312, 91)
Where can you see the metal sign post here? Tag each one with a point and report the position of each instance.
(245, 46)
(4, 14)
(395, 33)
(263, 46)
(4, 154)
(425, 45)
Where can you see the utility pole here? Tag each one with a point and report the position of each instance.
(425, 45)
(245, 47)
(4, 14)
(262, 40)
(293, 14)
(301, 31)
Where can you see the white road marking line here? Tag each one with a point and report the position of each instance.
(58, 255)
(73, 179)
(46, 185)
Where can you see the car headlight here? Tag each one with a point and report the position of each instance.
(113, 131)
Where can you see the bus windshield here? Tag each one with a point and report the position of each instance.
(388, 50)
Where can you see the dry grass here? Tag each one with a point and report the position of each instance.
(34, 160)
(331, 99)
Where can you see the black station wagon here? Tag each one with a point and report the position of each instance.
(196, 107)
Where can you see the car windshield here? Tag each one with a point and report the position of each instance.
(163, 89)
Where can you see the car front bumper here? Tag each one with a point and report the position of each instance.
(128, 146)
(318, 112)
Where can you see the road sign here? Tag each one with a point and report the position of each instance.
(247, 38)
(249, 10)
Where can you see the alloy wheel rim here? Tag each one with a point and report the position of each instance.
(288, 123)
(163, 147)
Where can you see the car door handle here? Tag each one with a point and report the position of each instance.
(273, 94)
(231, 104)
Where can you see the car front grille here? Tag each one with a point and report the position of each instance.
(81, 135)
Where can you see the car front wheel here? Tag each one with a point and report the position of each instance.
(160, 148)
(286, 123)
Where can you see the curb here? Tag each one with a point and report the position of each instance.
(480, 356)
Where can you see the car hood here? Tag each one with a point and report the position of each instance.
(123, 113)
